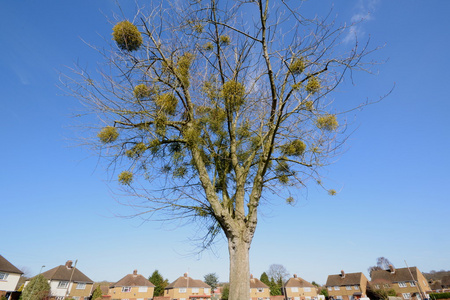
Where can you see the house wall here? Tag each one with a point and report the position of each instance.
(10, 283)
(86, 292)
(255, 295)
(300, 294)
(116, 293)
(176, 294)
(58, 292)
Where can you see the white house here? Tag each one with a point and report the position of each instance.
(9, 277)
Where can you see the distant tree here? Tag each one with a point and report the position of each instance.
(212, 280)
(324, 292)
(315, 284)
(97, 294)
(382, 264)
(37, 289)
(225, 291)
(278, 273)
(379, 294)
(265, 279)
(159, 282)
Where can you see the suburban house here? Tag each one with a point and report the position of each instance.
(132, 286)
(258, 289)
(297, 288)
(347, 286)
(67, 281)
(9, 277)
(406, 282)
(186, 288)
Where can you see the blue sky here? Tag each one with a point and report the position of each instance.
(57, 205)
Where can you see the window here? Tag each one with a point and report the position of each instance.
(260, 290)
(81, 286)
(356, 287)
(76, 298)
(377, 286)
(307, 289)
(182, 290)
(126, 289)
(339, 297)
(330, 288)
(3, 276)
(336, 288)
(294, 289)
(207, 292)
(143, 289)
(386, 285)
(182, 298)
(60, 298)
(296, 298)
(348, 287)
(195, 290)
(402, 284)
(412, 283)
(406, 296)
(63, 284)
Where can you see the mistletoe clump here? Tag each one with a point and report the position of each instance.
(127, 36)
(108, 134)
(233, 93)
(167, 102)
(297, 66)
(126, 177)
(141, 91)
(313, 85)
(294, 148)
(327, 122)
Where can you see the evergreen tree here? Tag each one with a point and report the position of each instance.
(275, 288)
(265, 279)
(225, 291)
(37, 289)
(97, 293)
(212, 280)
(159, 282)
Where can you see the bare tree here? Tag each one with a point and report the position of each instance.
(209, 106)
(279, 273)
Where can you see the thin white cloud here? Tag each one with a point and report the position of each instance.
(364, 12)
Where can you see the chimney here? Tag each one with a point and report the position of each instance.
(135, 272)
(342, 274)
(251, 276)
(69, 264)
(185, 274)
(392, 269)
(295, 275)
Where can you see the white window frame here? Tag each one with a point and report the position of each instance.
(81, 286)
(339, 297)
(330, 288)
(296, 298)
(406, 295)
(182, 290)
(126, 289)
(3, 275)
(76, 297)
(60, 298)
(307, 289)
(63, 284)
(386, 285)
(143, 289)
(412, 283)
(402, 284)
(336, 288)
(356, 287)
(206, 291)
(294, 289)
(195, 290)
(348, 287)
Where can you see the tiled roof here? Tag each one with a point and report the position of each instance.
(133, 280)
(185, 281)
(402, 274)
(446, 280)
(66, 273)
(256, 283)
(297, 282)
(347, 279)
(6, 266)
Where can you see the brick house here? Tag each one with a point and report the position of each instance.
(258, 289)
(347, 286)
(297, 288)
(186, 288)
(408, 283)
(132, 286)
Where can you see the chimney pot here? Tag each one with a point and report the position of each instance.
(135, 272)
(185, 274)
(69, 264)
(342, 274)
(392, 268)
(251, 276)
(295, 275)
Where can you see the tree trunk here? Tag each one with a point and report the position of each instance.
(239, 269)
